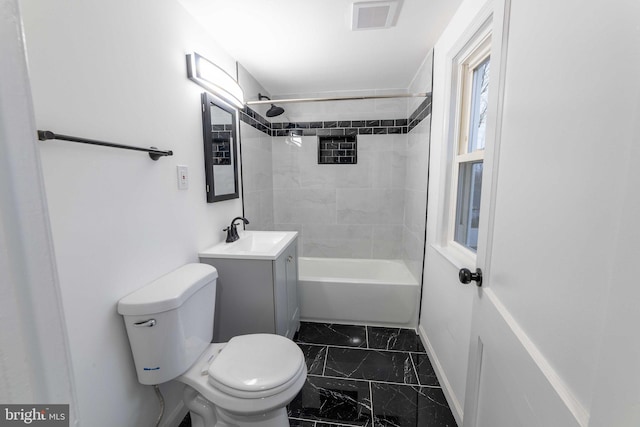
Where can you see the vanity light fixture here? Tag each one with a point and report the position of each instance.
(214, 79)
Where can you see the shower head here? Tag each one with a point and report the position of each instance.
(274, 110)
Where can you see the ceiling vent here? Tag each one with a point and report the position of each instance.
(372, 15)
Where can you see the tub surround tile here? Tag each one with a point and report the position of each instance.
(333, 400)
(337, 240)
(303, 206)
(407, 406)
(370, 206)
(332, 334)
(338, 248)
(394, 339)
(373, 365)
(338, 231)
(387, 242)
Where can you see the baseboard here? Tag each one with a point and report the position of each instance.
(454, 404)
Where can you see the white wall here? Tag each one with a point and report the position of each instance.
(115, 71)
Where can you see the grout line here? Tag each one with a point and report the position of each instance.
(360, 348)
(366, 335)
(371, 400)
(315, 422)
(326, 355)
(415, 370)
(373, 381)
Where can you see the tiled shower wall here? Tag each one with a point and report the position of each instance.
(417, 176)
(257, 177)
(373, 209)
(352, 211)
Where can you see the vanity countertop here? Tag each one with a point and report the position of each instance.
(265, 245)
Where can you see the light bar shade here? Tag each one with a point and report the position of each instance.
(214, 79)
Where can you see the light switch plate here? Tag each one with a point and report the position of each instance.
(183, 177)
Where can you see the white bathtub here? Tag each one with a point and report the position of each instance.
(358, 291)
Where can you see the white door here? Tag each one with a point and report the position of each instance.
(554, 339)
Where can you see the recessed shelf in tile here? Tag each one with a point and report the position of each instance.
(337, 149)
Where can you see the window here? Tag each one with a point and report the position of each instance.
(473, 75)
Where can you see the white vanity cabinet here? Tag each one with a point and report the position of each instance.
(256, 292)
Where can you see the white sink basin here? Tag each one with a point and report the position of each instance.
(252, 245)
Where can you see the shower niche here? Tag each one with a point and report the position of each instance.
(334, 150)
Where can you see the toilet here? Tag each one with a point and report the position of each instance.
(247, 381)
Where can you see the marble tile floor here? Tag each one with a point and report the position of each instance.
(366, 376)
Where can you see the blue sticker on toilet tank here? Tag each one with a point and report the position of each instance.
(152, 369)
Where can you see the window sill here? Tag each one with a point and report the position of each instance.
(459, 258)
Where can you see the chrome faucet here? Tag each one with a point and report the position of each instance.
(232, 231)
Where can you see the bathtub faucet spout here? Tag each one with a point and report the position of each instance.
(232, 231)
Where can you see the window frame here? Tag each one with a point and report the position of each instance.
(475, 53)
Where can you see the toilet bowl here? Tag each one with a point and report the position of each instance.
(249, 380)
(245, 382)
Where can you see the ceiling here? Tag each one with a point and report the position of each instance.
(307, 46)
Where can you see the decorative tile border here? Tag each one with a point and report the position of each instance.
(339, 127)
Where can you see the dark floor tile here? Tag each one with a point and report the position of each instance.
(333, 400)
(426, 373)
(410, 406)
(373, 365)
(332, 334)
(301, 423)
(394, 339)
(314, 356)
(186, 422)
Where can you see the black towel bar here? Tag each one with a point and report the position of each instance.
(154, 153)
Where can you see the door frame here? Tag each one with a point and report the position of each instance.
(35, 342)
(500, 15)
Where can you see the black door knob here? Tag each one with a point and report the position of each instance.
(466, 276)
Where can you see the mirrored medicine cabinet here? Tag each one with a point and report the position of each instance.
(220, 149)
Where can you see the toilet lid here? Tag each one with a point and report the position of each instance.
(256, 362)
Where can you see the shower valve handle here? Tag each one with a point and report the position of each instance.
(466, 276)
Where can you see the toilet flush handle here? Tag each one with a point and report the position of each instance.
(148, 323)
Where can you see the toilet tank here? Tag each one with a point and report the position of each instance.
(170, 322)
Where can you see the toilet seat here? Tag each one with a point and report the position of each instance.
(256, 366)
(249, 403)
